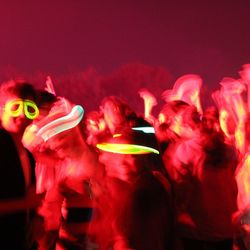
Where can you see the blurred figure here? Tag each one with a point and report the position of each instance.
(44, 167)
(170, 123)
(95, 127)
(242, 176)
(210, 120)
(17, 180)
(135, 208)
(187, 89)
(202, 166)
(149, 102)
(67, 206)
(121, 119)
(117, 114)
(44, 159)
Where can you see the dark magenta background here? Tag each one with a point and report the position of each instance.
(58, 37)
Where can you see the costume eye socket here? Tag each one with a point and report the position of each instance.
(14, 107)
(31, 109)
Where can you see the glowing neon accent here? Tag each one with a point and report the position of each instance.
(30, 115)
(12, 110)
(126, 148)
(19, 106)
(186, 88)
(148, 130)
(62, 124)
(117, 135)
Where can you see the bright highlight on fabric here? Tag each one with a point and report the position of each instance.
(126, 148)
(148, 130)
(62, 124)
(17, 106)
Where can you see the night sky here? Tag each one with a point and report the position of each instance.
(63, 37)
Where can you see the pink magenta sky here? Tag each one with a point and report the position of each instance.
(210, 38)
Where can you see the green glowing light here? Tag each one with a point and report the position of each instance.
(17, 106)
(126, 148)
(30, 104)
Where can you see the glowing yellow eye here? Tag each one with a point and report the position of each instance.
(30, 109)
(14, 107)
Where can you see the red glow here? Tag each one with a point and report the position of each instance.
(243, 182)
(149, 102)
(186, 88)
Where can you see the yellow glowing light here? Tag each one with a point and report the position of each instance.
(117, 135)
(14, 107)
(126, 148)
(17, 106)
